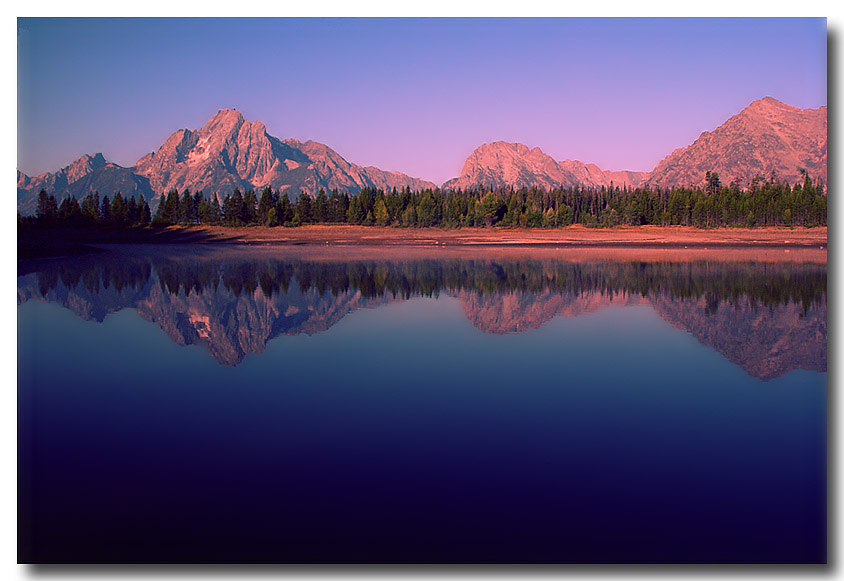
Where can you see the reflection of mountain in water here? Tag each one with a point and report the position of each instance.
(769, 319)
(766, 341)
(229, 322)
(231, 326)
(513, 312)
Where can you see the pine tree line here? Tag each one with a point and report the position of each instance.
(763, 203)
(91, 211)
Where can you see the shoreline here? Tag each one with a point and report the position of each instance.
(37, 243)
(572, 236)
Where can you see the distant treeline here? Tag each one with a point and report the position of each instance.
(763, 203)
(758, 283)
(91, 211)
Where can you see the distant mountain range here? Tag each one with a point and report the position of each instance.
(767, 136)
(230, 152)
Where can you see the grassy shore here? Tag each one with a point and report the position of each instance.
(34, 243)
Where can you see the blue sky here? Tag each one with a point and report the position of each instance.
(409, 95)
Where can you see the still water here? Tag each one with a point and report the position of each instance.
(287, 406)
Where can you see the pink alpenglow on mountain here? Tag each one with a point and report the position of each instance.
(767, 136)
(501, 164)
(231, 152)
(228, 152)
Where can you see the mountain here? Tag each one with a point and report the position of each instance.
(766, 136)
(502, 164)
(89, 173)
(228, 152)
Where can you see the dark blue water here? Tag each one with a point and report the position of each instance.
(460, 420)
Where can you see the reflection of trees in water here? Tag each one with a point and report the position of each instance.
(768, 318)
(759, 283)
(94, 276)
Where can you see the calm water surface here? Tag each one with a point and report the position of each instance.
(232, 408)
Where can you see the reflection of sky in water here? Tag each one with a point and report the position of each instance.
(404, 433)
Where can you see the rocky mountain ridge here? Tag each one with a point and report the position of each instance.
(502, 164)
(88, 173)
(230, 152)
(767, 136)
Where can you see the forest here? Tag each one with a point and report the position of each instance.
(764, 202)
(717, 282)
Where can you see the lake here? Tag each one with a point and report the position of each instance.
(308, 405)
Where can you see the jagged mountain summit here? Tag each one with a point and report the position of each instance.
(86, 174)
(230, 152)
(502, 164)
(767, 136)
(227, 152)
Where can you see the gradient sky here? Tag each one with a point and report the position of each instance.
(409, 95)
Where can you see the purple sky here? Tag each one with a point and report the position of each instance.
(409, 95)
